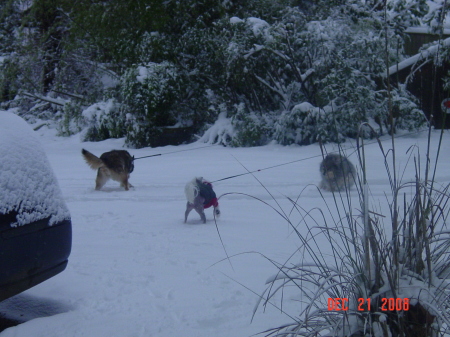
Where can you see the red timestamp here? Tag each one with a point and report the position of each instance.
(365, 304)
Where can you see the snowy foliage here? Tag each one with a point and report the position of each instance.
(103, 121)
(221, 132)
(437, 14)
(305, 124)
(72, 121)
(252, 129)
(181, 61)
(152, 97)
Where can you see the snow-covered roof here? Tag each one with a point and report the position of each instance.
(424, 54)
(26, 178)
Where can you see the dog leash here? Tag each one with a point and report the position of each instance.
(161, 154)
(320, 155)
(267, 168)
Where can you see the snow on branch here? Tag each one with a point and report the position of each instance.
(46, 99)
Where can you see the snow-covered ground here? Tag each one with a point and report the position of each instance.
(137, 270)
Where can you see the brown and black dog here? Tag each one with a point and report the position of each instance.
(115, 164)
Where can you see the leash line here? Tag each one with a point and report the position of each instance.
(162, 154)
(267, 168)
(153, 155)
(320, 155)
(274, 166)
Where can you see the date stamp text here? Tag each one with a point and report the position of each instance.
(365, 304)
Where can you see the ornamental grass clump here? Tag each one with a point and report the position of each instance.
(384, 271)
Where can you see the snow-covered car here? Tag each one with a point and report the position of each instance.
(35, 224)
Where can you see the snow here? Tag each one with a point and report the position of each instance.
(143, 73)
(109, 80)
(25, 174)
(423, 55)
(425, 30)
(235, 19)
(151, 70)
(258, 26)
(304, 107)
(220, 132)
(137, 270)
(96, 110)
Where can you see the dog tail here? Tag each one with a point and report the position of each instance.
(92, 160)
(191, 190)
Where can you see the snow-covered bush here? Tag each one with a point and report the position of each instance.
(252, 129)
(306, 124)
(104, 120)
(406, 115)
(149, 93)
(337, 64)
(72, 120)
(221, 132)
(267, 55)
(159, 95)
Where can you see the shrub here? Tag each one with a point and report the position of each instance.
(306, 124)
(104, 120)
(406, 114)
(252, 129)
(72, 120)
(160, 95)
(149, 93)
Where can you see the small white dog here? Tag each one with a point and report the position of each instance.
(200, 195)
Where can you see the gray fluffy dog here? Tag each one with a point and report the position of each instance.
(337, 173)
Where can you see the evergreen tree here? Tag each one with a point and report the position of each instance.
(259, 62)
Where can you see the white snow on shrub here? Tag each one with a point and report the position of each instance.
(26, 178)
(301, 124)
(235, 19)
(258, 26)
(109, 80)
(143, 73)
(96, 111)
(221, 132)
(154, 70)
(304, 107)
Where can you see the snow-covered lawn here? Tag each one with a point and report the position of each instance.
(137, 270)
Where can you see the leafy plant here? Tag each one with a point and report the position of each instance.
(72, 120)
(105, 120)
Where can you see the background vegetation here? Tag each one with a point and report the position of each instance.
(286, 70)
